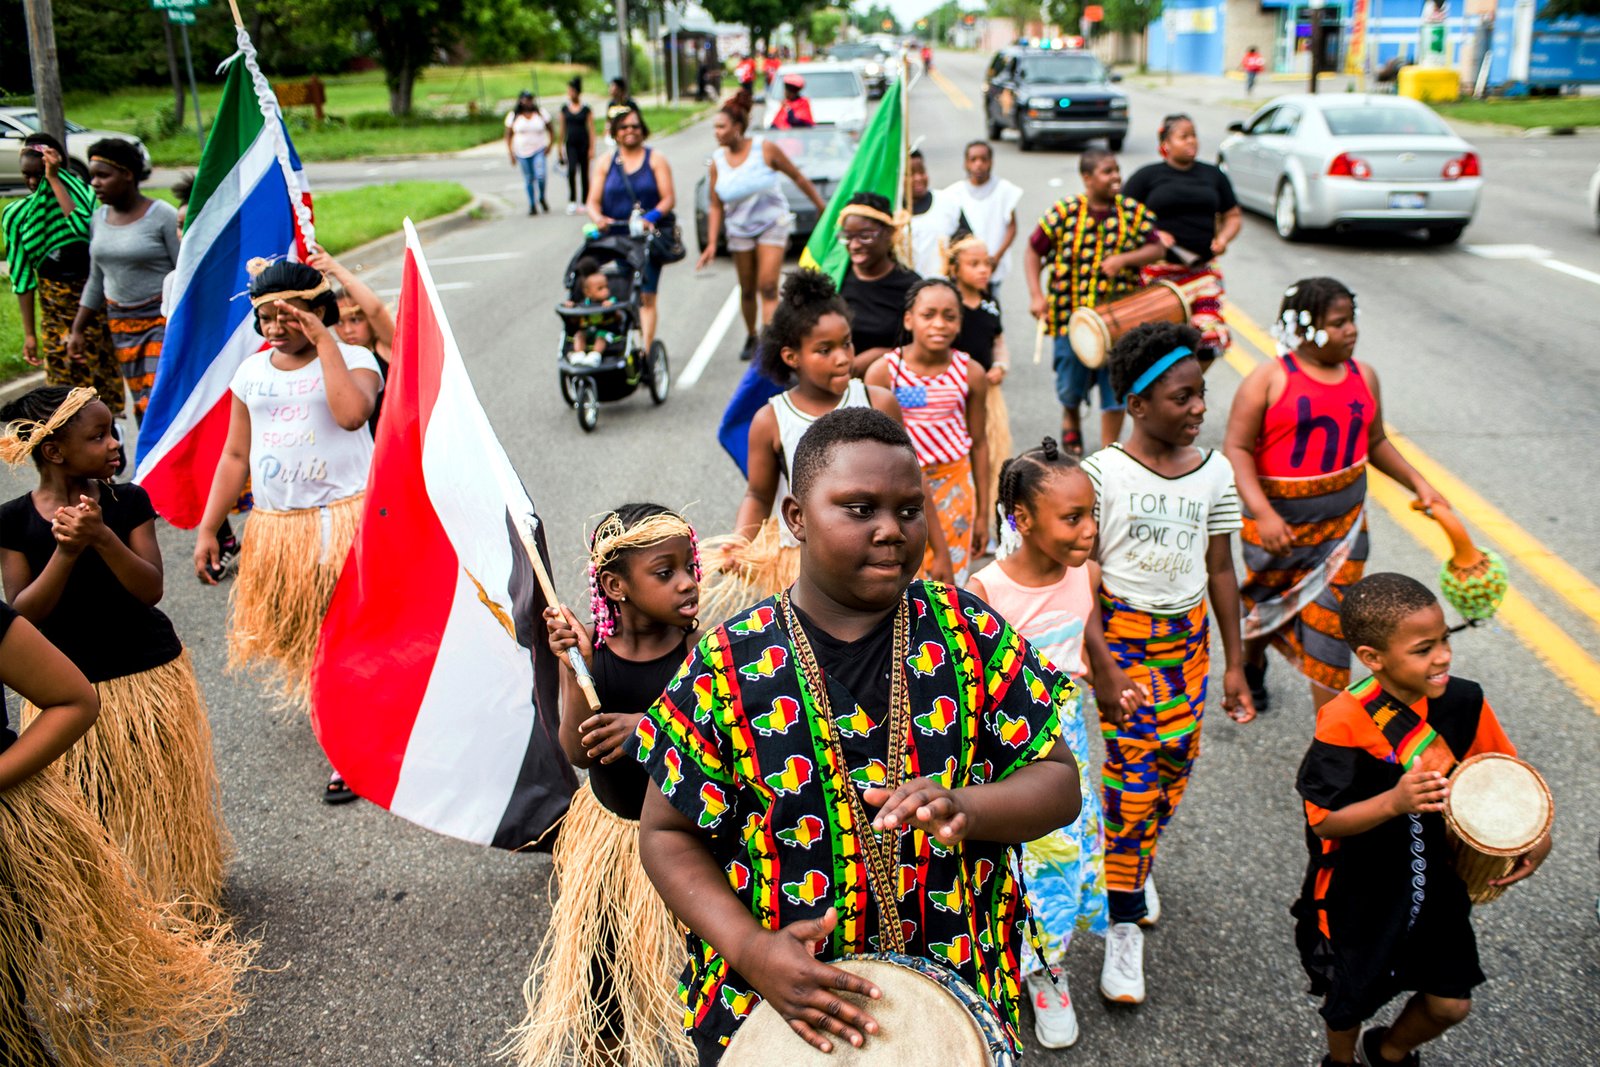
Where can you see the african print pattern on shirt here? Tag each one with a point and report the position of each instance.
(1079, 244)
(737, 745)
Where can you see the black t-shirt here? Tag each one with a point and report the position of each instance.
(576, 124)
(979, 328)
(628, 687)
(1186, 202)
(7, 735)
(97, 623)
(860, 667)
(878, 308)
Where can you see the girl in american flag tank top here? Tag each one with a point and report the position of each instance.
(943, 395)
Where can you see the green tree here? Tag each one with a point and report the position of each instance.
(761, 17)
(873, 18)
(824, 26)
(1130, 16)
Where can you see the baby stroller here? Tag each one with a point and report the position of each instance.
(623, 364)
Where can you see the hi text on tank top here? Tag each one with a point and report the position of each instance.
(1315, 429)
(792, 425)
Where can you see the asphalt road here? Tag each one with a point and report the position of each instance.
(388, 945)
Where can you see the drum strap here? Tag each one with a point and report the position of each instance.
(881, 850)
(1410, 738)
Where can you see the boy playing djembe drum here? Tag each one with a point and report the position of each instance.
(1383, 910)
(861, 737)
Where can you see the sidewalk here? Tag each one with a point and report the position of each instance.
(1228, 91)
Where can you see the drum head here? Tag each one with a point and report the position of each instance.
(919, 1021)
(1498, 804)
(1089, 336)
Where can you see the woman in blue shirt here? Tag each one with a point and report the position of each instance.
(629, 178)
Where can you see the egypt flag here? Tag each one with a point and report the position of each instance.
(250, 200)
(434, 692)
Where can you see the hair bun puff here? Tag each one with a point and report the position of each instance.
(805, 287)
(1049, 448)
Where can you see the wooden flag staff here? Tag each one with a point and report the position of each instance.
(574, 658)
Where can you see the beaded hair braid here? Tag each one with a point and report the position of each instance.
(1021, 479)
(627, 529)
(1305, 304)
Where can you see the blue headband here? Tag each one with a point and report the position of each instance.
(1158, 368)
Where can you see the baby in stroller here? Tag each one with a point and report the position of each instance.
(598, 333)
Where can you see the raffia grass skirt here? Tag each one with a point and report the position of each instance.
(147, 771)
(91, 965)
(608, 920)
(741, 573)
(288, 569)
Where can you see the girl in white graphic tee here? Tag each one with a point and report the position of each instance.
(299, 432)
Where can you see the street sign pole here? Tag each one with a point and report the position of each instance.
(194, 90)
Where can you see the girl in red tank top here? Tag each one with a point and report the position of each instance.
(1303, 428)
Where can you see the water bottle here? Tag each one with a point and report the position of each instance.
(636, 222)
(590, 231)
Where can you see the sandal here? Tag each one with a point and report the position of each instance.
(1072, 441)
(336, 792)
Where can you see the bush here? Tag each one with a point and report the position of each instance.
(163, 123)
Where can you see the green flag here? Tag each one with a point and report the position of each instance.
(237, 124)
(878, 167)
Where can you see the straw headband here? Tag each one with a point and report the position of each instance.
(24, 435)
(110, 163)
(894, 222)
(958, 246)
(1158, 368)
(611, 538)
(257, 265)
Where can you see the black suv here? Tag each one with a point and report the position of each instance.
(1047, 94)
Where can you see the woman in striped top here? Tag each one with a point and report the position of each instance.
(943, 395)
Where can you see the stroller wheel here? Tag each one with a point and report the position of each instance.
(587, 401)
(660, 372)
(566, 389)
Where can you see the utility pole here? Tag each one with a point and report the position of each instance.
(1316, 43)
(172, 67)
(46, 69)
(624, 44)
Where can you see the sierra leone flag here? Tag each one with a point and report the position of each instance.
(250, 199)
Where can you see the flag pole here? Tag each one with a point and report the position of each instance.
(233, 5)
(574, 657)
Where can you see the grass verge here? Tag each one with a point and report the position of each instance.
(345, 218)
(1527, 112)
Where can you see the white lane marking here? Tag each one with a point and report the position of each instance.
(1534, 254)
(1568, 269)
(481, 257)
(708, 344)
(440, 286)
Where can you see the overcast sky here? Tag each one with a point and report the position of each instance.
(907, 11)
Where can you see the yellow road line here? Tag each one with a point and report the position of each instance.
(1512, 540)
(960, 99)
(1543, 637)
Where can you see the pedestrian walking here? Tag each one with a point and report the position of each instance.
(577, 145)
(47, 253)
(1093, 244)
(1302, 431)
(876, 284)
(936, 219)
(633, 194)
(1252, 64)
(80, 561)
(1167, 512)
(307, 463)
(990, 207)
(528, 147)
(1197, 219)
(133, 246)
(943, 397)
(1382, 910)
(747, 198)
(600, 989)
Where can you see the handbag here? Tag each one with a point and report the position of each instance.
(664, 244)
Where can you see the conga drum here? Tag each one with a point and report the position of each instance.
(1093, 331)
(1498, 809)
(927, 1015)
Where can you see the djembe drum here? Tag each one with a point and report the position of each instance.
(1093, 330)
(1498, 809)
(927, 1015)
(1473, 580)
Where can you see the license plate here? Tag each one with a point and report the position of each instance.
(1407, 201)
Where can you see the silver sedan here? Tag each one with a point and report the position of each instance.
(1353, 161)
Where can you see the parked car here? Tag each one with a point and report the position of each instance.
(876, 68)
(838, 95)
(17, 122)
(1052, 94)
(821, 153)
(1353, 161)
(1594, 196)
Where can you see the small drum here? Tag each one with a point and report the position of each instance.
(1094, 330)
(927, 1015)
(1498, 809)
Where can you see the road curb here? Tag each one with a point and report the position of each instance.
(392, 244)
(9, 391)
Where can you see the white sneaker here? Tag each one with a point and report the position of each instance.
(1055, 1023)
(572, 209)
(1122, 973)
(1152, 903)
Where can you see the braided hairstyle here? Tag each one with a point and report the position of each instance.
(807, 296)
(1305, 306)
(1139, 349)
(1022, 478)
(933, 281)
(36, 406)
(607, 615)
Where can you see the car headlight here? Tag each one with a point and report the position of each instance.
(1042, 102)
(1119, 105)
(873, 69)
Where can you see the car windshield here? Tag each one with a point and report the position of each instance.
(821, 144)
(855, 51)
(1060, 69)
(825, 85)
(30, 119)
(1384, 122)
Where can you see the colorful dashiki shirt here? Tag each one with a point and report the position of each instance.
(737, 745)
(1079, 243)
